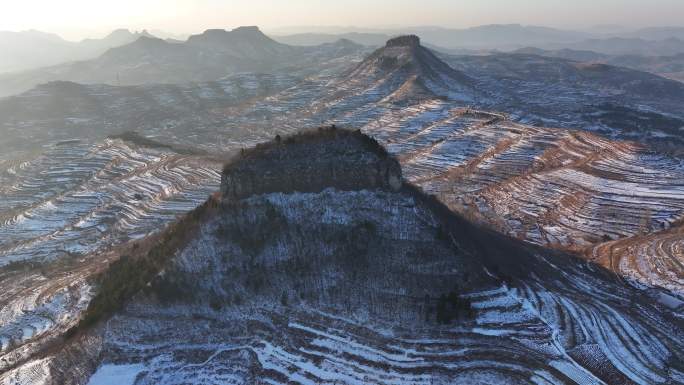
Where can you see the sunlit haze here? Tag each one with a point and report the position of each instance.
(75, 19)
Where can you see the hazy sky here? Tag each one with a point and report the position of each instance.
(78, 18)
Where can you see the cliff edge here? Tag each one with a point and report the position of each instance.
(311, 162)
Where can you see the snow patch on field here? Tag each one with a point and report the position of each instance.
(110, 374)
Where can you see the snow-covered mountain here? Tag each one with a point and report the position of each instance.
(312, 264)
(316, 264)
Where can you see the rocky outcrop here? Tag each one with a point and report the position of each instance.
(312, 162)
(404, 41)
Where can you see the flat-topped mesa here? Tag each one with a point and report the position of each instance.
(311, 161)
(248, 33)
(248, 29)
(412, 41)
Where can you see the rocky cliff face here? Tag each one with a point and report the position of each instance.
(412, 41)
(312, 162)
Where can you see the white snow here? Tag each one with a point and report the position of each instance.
(110, 374)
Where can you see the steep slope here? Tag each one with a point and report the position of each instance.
(344, 276)
(412, 71)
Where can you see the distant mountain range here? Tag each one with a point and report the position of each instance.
(29, 50)
(659, 33)
(626, 46)
(651, 50)
(308, 39)
(500, 37)
(507, 36)
(209, 56)
(667, 66)
(32, 49)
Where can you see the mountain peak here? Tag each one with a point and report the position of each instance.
(411, 41)
(247, 29)
(250, 34)
(306, 161)
(212, 32)
(246, 42)
(120, 32)
(413, 71)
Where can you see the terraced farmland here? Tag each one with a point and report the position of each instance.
(77, 198)
(62, 210)
(565, 189)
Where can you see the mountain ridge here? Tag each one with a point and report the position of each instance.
(205, 57)
(31, 50)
